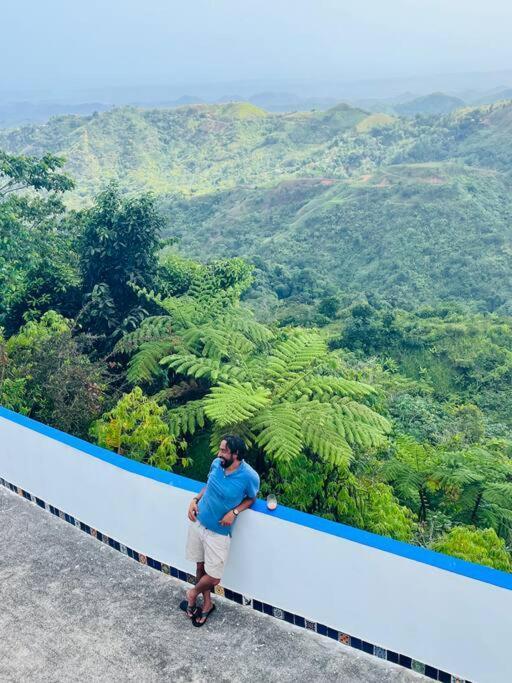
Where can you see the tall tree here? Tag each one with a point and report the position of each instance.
(118, 250)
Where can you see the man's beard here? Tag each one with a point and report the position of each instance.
(226, 463)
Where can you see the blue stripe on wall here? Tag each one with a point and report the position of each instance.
(389, 545)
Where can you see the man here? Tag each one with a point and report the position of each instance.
(231, 488)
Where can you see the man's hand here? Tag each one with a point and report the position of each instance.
(192, 510)
(228, 519)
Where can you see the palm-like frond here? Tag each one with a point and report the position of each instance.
(279, 431)
(197, 366)
(227, 404)
(187, 418)
(145, 364)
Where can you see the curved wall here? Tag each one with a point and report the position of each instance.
(411, 605)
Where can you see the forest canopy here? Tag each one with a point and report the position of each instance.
(395, 420)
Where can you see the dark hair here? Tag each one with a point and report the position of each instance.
(236, 445)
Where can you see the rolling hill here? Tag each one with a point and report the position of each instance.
(412, 233)
(412, 209)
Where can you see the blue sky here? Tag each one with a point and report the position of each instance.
(107, 42)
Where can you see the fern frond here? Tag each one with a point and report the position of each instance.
(227, 404)
(279, 431)
(144, 365)
(187, 418)
(198, 367)
(151, 329)
(295, 354)
(321, 435)
(324, 387)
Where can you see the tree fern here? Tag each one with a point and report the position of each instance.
(279, 431)
(236, 402)
(145, 364)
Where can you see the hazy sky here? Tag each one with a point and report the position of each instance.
(49, 43)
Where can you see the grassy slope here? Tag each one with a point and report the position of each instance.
(191, 149)
(369, 202)
(413, 233)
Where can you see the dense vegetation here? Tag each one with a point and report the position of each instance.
(415, 209)
(394, 420)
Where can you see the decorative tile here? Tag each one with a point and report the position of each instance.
(19, 491)
(94, 533)
(143, 559)
(379, 652)
(344, 638)
(310, 625)
(77, 523)
(431, 672)
(456, 679)
(61, 514)
(406, 661)
(191, 579)
(420, 668)
(165, 567)
(246, 600)
(368, 647)
(124, 549)
(278, 613)
(219, 590)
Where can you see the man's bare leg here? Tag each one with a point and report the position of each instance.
(200, 572)
(205, 585)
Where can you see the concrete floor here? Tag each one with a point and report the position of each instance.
(74, 609)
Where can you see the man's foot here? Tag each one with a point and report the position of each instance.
(189, 605)
(202, 616)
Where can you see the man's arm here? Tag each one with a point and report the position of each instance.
(230, 516)
(192, 508)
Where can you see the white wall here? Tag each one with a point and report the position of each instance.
(452, 622)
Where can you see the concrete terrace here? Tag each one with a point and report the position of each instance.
(74, 609)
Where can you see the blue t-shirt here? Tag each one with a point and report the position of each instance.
(224, 491)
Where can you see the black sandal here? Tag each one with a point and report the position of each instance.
(191, 611)
(202, 615)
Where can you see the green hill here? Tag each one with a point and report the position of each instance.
(411, 233)
(435, 103)
(413, 209)
(192, 149)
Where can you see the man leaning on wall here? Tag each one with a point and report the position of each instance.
(231, 488)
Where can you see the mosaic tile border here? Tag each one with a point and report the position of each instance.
(276, 612)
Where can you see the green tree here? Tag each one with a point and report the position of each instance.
(118, 251)
(135, 427)
(46, 373)
(482, 546)
(282, 391)
(411, 473)
(30, 230)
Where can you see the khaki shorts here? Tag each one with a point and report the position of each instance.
(209, 547)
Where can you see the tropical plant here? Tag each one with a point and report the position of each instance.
(482, 546)
(283, 391)
(135, 427)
